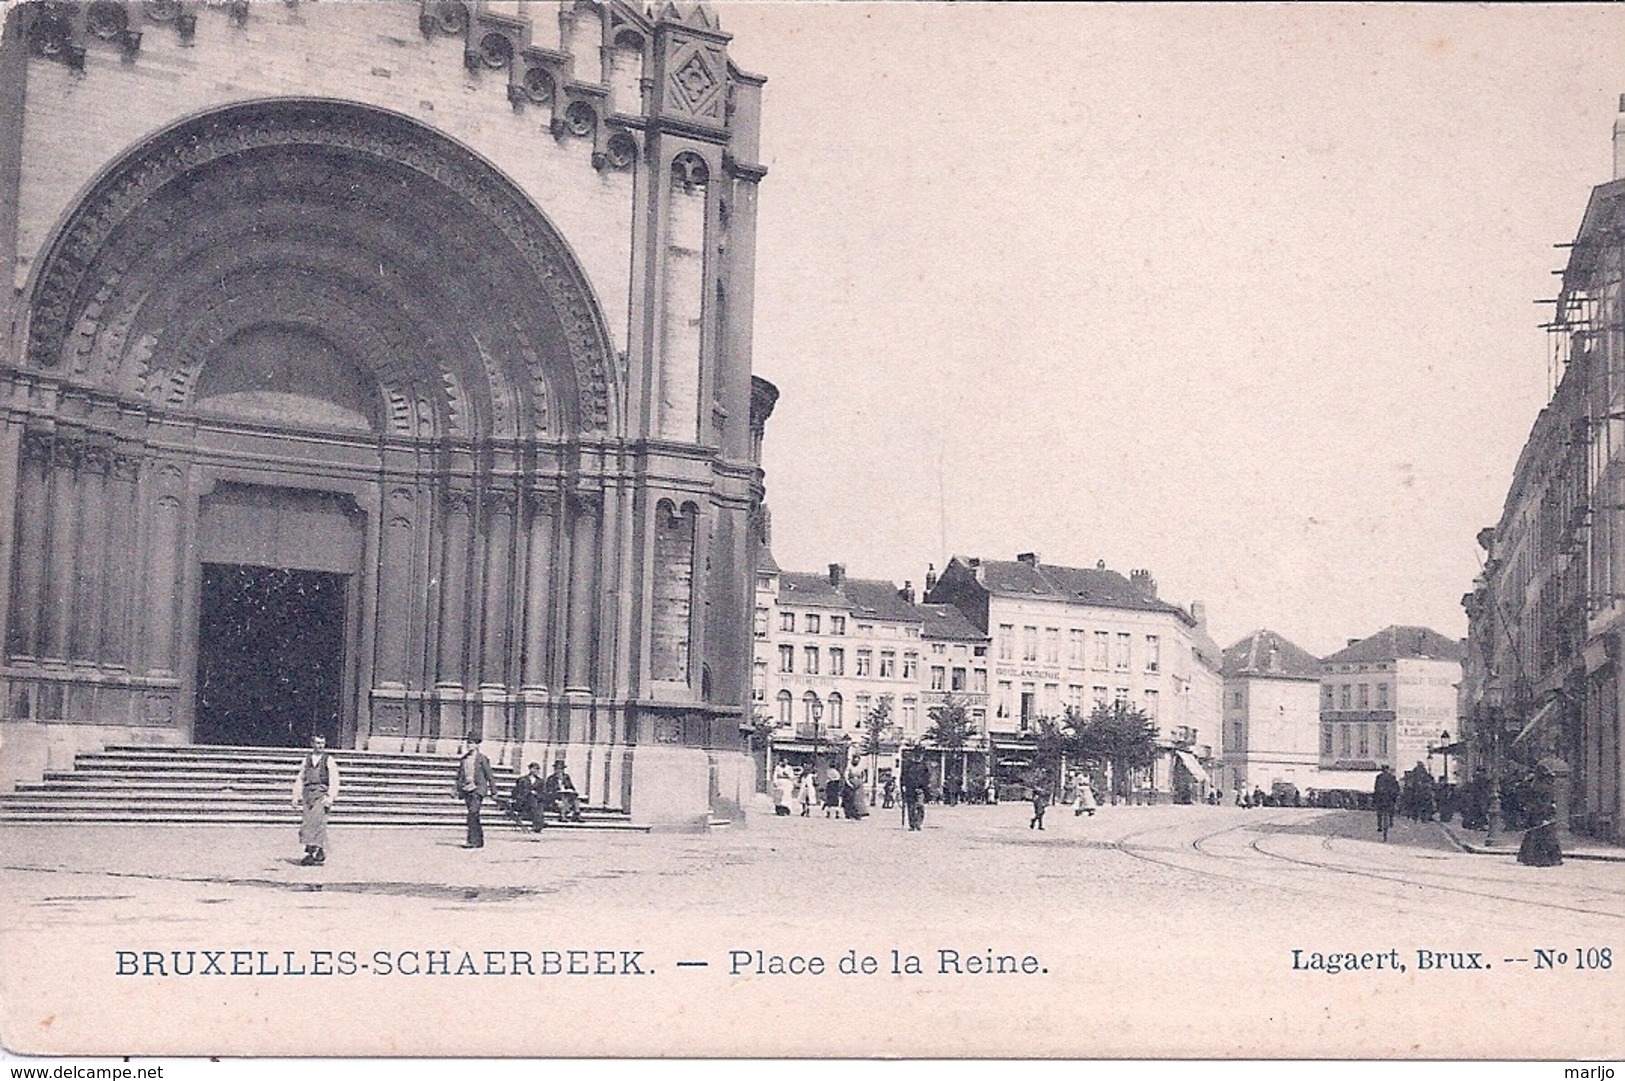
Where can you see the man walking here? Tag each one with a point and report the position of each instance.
(1040, 805)
(915, 780)
(1385, 797)
(474, 783)
(315, 787)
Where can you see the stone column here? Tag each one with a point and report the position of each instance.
(394, 589)
(11, 435)
(543, 508)
(90, 597)
(498, 578)
(450, 673)
(454, 586)
(585, 511)
(61, 549)
(163, 581)
(30, 553)
(123, 563)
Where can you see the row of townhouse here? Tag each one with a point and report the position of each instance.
(1546, 617)
(1389, 699)
(1010, 640)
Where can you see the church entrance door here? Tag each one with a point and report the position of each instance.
(270, 655)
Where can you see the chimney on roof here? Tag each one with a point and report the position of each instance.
(1142, 581)
(837, 574)
(1619, 141)
(1274, 664)
(1100, 564)
(1029, 558)
(930, 577)
(907, 592)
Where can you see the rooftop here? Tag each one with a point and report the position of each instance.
(1400, 643)
(945, 622)
(865, 598)
(1080, 585)
(798, 588)
(1267, 654)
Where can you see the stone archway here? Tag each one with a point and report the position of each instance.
(412, 257)
(322, 300)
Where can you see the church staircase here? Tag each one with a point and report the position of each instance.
(252, 786)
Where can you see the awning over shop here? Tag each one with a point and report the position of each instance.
(1321, 784)
(1192, 763)
(1542, 715)
(807, 746)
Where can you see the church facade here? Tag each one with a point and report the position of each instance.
(381, 371)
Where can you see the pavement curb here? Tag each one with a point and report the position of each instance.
(1588, 853)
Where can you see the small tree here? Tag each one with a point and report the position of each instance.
(1058, 742)
(951, 730)
(874, 734)
(1122, 735)
(758, 732)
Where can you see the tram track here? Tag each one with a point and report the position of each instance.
(1409, 880)
(1393, 857)
(1235, 867)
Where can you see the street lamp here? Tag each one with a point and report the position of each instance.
(1444, 749)
(816, 709)
(1493, 702)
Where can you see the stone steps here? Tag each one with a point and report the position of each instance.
(252, 786)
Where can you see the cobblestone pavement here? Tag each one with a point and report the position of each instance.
(1152, 931)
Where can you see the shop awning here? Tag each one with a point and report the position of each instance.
(1542, 715)
(1192, 763)
(1323, 784)
(830, 747)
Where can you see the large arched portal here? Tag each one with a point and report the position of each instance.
(322, 368)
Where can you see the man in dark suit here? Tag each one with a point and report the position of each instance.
(1385, 797)
(916, 779)
(561, 793)
(529, 799)
(474, 782)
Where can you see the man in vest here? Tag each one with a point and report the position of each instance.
(474, 782)
(315, 787)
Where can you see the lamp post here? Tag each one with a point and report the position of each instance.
(816, 709)
(1493, 702)
(1444, 749)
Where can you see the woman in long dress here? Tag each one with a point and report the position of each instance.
(1086, 803)
(784, 788)
(853, 800)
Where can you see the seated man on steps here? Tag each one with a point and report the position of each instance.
(529, 799)
(560, 793)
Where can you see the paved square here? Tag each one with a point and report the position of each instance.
(1143, 931)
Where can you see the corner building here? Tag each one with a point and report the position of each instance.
(833, 647)
(1387, 700)
(1080, 637)
(1271, 714)
(419, 329)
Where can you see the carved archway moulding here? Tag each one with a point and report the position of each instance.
(96, 248)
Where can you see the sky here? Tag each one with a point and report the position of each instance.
(1244, 295)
